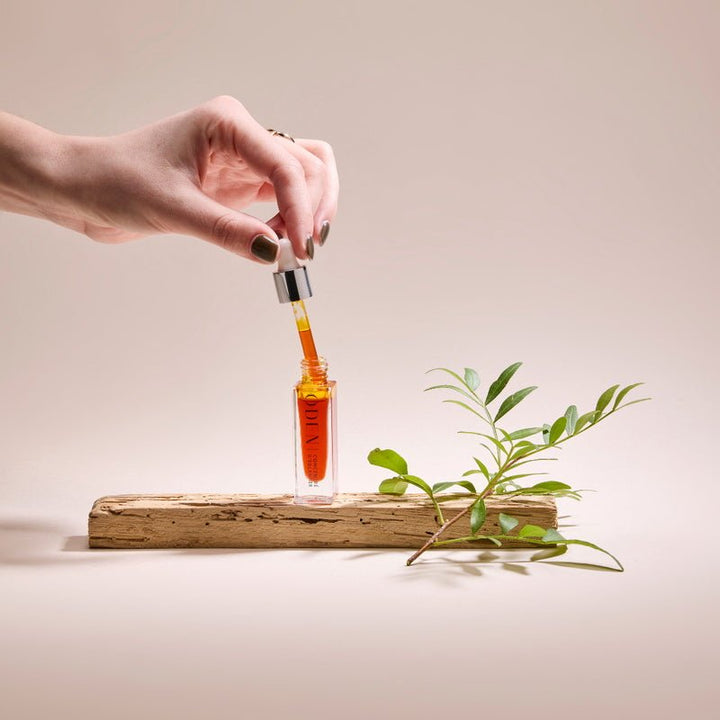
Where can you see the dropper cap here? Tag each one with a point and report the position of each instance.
(291, 279)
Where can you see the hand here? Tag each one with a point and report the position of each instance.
(191, 173)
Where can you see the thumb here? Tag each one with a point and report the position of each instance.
(242, 234)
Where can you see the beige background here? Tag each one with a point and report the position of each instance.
(530, 181)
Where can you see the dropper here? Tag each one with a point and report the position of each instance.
(303, 325)
(293, 286)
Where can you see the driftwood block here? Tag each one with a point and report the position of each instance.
(362, 520)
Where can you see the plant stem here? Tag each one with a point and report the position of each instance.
(490, 422)
(487, 491)
(502, 468)
(474, 538)
(437, 534)
(439, 512)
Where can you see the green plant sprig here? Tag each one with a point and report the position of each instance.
(507, 451)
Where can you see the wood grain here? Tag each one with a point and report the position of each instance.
(360, 520)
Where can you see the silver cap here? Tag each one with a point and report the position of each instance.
(292, 285)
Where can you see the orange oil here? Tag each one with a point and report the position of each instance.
(313, 398)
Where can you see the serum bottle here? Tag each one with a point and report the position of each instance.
(315, 432)
(314, 395)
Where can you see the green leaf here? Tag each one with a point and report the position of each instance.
(605, 398)
(552, 535)
(512, 400)
(621, 395)
(549, 552)
(522, 451)
(507, 523)
(531, 531)
(393, 486)
(583, 420)
(585, 543)
(571, 415)
(492, 539)
(439, 487)
(557, 429)
(549, 486)
(565, 494)
(464, 393)
(467, 407)
(495, 442)
(521, 475)
(472, 379)
(503, 379)
(388, 459)
(541, 491)
(489, 449)
(634, 402)
(453, 374)
(524, 433)
(483, 468)
(419, 483)
(477, 516)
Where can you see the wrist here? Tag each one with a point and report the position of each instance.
(31, 167)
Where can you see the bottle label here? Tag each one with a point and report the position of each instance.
(313, 416)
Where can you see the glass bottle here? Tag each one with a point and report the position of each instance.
(315, 413)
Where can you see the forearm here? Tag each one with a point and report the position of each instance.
(31, 163)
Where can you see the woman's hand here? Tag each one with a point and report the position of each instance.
(191, 173)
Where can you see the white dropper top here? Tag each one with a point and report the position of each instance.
(286, 259)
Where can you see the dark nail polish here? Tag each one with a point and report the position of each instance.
(310, 247)
(264, 248)
(324, 232)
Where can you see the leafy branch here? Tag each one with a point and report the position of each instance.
(505, 453)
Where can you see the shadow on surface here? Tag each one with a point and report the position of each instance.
(36, 542)
(40, 542)
(445, 569)
(31, 541)
(76, 543)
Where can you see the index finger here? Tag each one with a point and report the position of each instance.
(233, 128)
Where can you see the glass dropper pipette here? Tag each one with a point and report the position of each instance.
(303, 325)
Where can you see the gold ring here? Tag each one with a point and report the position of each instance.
(281, 134)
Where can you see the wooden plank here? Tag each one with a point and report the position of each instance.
(360, 520)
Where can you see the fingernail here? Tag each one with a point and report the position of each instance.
(310, 247)
(324, 232)
(264, 248)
